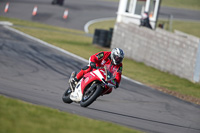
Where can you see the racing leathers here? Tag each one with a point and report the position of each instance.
(99, 60)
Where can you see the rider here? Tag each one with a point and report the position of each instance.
(113, 58)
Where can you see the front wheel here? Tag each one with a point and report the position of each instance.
(90, 96)
(66, 96)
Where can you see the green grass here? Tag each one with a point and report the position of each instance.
(189, 4)
(188, 27)
(21, 117)
(81, 45)
(101, 25)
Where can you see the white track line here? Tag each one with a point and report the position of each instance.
(6, 23)
(59, 49)
(86, 27)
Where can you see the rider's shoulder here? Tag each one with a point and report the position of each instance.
(107, 53)
(100, 55)
(103, 54)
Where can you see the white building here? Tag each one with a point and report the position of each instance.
(132, 10)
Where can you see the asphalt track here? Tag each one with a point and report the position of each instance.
(36, 73)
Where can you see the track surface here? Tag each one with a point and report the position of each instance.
(38, 74)
(80, 12)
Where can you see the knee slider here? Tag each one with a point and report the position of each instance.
(85, 67)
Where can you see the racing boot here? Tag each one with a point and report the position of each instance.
(73, 81)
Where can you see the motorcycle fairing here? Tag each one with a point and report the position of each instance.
(89, 78)
(96, 75)
(77, 94)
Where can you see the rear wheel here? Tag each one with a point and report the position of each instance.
(66, 96)
(90, 96)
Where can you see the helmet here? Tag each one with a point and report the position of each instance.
(117, 56)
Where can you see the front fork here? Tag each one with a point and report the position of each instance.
(91, 87)
(105, 88)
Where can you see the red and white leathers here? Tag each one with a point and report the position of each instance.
(101, 59)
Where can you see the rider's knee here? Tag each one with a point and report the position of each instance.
(85, 67)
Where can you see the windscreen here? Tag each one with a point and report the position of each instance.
(110, 72)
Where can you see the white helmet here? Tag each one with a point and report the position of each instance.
(117, 56)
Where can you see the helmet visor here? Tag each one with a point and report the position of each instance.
(118, 59)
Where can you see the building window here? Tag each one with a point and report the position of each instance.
(140, 7)
(152, 8)
(132, 10)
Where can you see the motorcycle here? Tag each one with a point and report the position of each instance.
(96, 83)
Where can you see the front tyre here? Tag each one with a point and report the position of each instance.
(66, 96)
(91, 96)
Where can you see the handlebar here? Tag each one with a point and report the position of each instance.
(108, 84)
(111, 85)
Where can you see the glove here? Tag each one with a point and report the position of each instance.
(93, 65)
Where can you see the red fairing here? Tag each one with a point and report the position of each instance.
(103, 58)
(87, 79)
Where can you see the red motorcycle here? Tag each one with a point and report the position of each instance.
(98, 82)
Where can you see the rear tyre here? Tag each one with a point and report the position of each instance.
(91, 96)
(66, 96)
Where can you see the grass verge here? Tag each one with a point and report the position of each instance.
(77, 43)
(21, 117)
(187, 4)
(189, 27)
